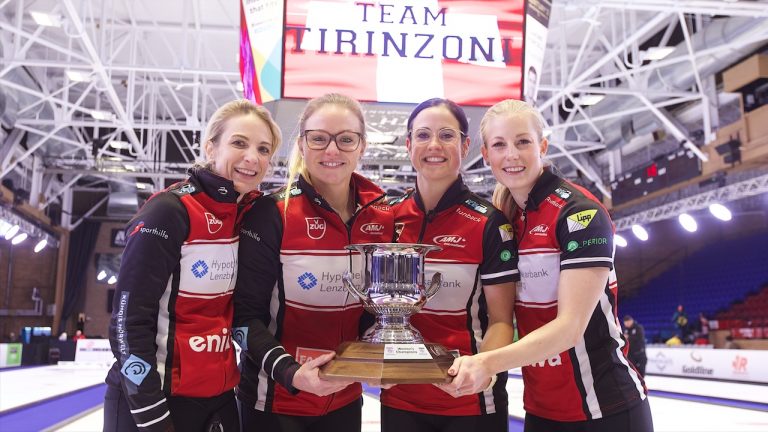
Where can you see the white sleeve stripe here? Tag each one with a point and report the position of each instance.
(136, 411)
(266, 356)
(586, 260)
(159, 419)
(274, 365)
(499, 274)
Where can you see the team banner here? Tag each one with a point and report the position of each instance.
(737, 365)
(536, 27)
(261, 49)
(468, 51)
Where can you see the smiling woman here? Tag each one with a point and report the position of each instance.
(291, 309)
(172, 309)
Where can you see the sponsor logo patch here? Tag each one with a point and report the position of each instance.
(572, 246)
(187, 188)
(199, 269)
(240, 335)
(467, 215)
(505, 255)
(477, 206)
(214, 223)
(223, 190)
(315, 227)
(579, 221)
(553, 202)
(506, 233)
(304, 355)
(135, 369)
(563, 193)
(451, 240)
(398, 230)
(372, 228)
(212, 342)
(307, 281)
(154, 231)
(539, 230)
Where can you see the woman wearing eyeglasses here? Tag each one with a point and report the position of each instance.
(472, 311)
(291, 309)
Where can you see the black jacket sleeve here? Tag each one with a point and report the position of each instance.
(151, 256)
(259, 270)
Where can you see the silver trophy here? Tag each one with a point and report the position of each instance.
(393, 290)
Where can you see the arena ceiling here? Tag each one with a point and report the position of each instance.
(108, 98)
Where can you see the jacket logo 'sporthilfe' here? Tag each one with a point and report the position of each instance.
(315, 227)
(214, 224)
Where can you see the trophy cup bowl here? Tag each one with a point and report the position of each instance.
(393, 352)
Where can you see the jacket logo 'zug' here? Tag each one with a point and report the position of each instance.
(315, 227)
(214, 223)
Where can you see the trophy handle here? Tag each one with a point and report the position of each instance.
(350, 286)
(434, 286)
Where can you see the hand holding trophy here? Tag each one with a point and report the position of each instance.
(393, 289)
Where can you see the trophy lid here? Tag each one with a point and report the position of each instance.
(422, 249)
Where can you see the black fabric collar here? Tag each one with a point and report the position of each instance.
(545, 185)
(456, 193)
(215, 186)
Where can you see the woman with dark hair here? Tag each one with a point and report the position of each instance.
(472, 311)
(291, 309)
(571, 348)
(170, 329)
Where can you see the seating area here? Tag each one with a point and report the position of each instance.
(722, 281)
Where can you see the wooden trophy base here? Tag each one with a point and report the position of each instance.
(401, 364)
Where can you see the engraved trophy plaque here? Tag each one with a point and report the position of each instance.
(393, 352)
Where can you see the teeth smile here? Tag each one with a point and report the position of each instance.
(245, 172)
(435, 159)
(514, 170)
(331, 164)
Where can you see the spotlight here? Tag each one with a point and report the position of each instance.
(719, 211)
(688, 222)
(41, 245)
(4, 227)
(11, 232)
(19, 238)
(101, 276)
(640, 232)
(620, 241)
(112, 280)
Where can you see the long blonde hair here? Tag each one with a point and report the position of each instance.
(296, 163)
(502, 197)
(236, 108)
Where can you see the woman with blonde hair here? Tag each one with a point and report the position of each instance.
(172, 312)
(291, 309)
(571, 348)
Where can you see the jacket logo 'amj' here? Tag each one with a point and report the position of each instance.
(372, 228)
(214, 224)
(315, 227)
(451, 240)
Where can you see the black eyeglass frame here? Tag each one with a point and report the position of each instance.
(332, 138)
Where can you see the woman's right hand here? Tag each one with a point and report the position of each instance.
(308, 379)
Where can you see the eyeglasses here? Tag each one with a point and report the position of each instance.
(424, 136)
(346, 141)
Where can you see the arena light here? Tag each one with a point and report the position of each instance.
(19, 238)
(620, 241)
(41, 245)
(11, 232)
(101, 276)
(640, 232)
(688, 222)
(45, 19)
(4, 227)
(720, 211)
(112, 280)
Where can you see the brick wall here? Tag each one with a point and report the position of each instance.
(27, 269)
